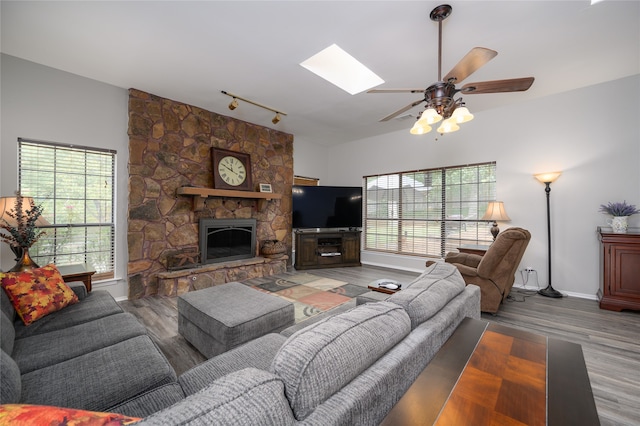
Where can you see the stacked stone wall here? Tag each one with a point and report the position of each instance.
(169, 147)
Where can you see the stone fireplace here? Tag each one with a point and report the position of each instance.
(170, 148)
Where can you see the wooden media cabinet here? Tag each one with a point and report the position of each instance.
(327, 249)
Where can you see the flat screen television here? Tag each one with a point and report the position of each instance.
(327, 206)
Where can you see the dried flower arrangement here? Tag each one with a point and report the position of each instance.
(24, 233)
(619, 209)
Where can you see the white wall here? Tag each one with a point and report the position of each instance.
(310, 160)
(46, 104)
(592, 135)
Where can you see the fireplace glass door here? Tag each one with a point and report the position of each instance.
(223, 240)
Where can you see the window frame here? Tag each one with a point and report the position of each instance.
(420, 212)
(81, 231)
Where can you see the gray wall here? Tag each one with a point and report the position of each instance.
(46, 104)
(596, 146)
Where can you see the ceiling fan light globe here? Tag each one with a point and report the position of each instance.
(430, 116)
(462, 115)
(448, 126)
(420, 129)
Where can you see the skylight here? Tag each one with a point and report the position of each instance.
(341, 69)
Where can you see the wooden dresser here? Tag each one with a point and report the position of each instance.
(619, 269)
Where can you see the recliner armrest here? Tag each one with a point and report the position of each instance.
(467, 259)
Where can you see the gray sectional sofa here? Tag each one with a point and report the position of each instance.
(346, 369)
(90, 355)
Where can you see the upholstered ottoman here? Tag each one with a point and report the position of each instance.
(222, 317)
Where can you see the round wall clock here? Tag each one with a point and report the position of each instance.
(231, 170)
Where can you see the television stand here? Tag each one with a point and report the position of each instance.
(327, 249)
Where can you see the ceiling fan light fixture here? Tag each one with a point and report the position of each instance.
(462, 115)
(448, 126)
(276, 119)
(233, 104)
(430, 116)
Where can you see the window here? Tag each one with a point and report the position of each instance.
(75, 186)
(428, 212)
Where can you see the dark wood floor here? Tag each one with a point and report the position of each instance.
(610, 340)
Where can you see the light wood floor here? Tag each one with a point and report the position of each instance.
(610, 340)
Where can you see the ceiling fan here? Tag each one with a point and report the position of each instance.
(439, 97)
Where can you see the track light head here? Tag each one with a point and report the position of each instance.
(276, 119)
(234, 104)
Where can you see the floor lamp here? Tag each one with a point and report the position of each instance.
(547, 179)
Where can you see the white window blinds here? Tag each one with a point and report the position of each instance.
(75, 185)
(428, 212)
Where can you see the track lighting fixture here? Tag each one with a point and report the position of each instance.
(234, 104)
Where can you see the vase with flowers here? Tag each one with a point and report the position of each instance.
(21, 224)
(620, 212)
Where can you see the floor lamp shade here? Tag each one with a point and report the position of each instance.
(547, 179)
(495, 211)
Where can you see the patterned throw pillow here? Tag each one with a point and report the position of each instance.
(37, 292)
(25, 414)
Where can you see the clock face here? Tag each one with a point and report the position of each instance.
(232, 171)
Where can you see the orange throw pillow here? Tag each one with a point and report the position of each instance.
(34, 415)
(37, 292)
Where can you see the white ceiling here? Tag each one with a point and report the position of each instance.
(190, 51)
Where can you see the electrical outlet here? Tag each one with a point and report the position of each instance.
(529, 269)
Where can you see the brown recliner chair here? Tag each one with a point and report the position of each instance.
(494, 272)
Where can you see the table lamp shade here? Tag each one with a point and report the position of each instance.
(495, 211)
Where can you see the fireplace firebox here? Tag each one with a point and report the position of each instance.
(222, 240)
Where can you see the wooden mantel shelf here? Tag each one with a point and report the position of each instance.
(210, 192)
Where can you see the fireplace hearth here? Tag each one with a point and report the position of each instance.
(223, 240)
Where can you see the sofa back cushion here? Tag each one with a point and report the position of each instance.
(429, 293)
(7, 334)
(319, 360)
(6, 306)
(10, 382)
(246, 397)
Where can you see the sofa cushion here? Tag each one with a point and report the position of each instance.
(48, 415)
(319, 360)
(258, 353)
(103, 378)
(427, 295)
(248, 397)
(37, 292)
(7, 334)
(43, 350)
(149, 402)
(97, 304)
(10, 383)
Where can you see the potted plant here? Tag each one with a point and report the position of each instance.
(620, 212)
(21, 223)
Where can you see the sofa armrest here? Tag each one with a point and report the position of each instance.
(78, 288)
(467, 259)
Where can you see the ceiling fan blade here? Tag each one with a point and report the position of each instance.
(400, 111)
(472, 61)
(395, 91)
(498, 86)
